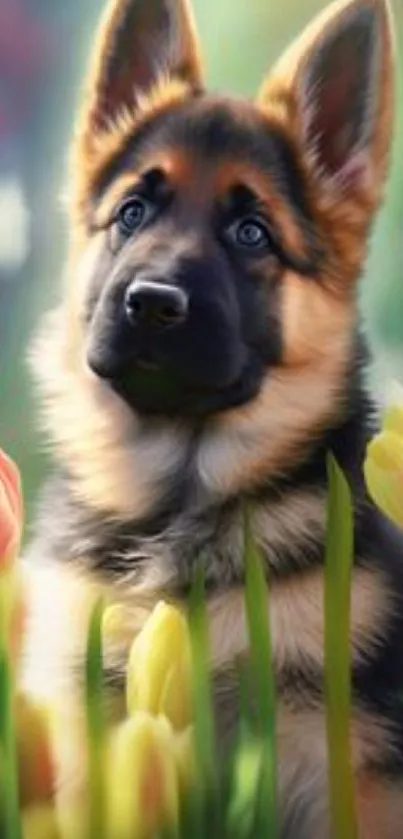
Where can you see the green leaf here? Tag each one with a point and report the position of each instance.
(262, 671)
(96, 726)
(245, 789)
(9, 793)
(243, 764)
(247, 715)
(338, 570)
(205, 806)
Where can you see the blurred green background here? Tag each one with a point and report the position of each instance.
(43, 52)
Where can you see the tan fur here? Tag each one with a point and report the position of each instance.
(297, 619)
(296, 519)
(275, 431)
(302, 768)
(313, 319)
(305, 732)
(379, 807)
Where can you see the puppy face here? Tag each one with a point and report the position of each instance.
(196, 221)
(190, 242)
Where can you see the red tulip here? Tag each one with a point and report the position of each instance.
(10, 510)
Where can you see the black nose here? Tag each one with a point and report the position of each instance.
(155, 304)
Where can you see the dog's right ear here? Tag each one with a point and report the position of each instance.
(335, 86)
(139, 42)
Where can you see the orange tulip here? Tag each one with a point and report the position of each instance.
(11, 595)
(36, 762)
(10, 510)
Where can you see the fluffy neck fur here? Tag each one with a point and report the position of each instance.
(155, 546)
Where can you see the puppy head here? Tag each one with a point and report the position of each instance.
(208, 225)
(217, 243)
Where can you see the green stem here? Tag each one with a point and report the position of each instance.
(338, 571)
(9, 800)
(95, 727)
(206, 807)
(262, 668)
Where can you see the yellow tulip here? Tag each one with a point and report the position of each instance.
(142, 778)
(159, 673)
(394, 420)
(384, 468)
(40, 822)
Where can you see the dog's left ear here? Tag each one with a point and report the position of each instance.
(146, 55)
(333, 91)
(139, 42)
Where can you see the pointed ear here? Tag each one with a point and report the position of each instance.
(334, 89)
(139, 42)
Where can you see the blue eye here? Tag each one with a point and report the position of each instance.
(131, 215)
(250, 234)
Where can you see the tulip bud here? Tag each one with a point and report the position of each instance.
(159, 674)
(384, 472)
(142, 779)
(40, 822)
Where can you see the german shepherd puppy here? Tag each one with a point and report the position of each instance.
(207, 351)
